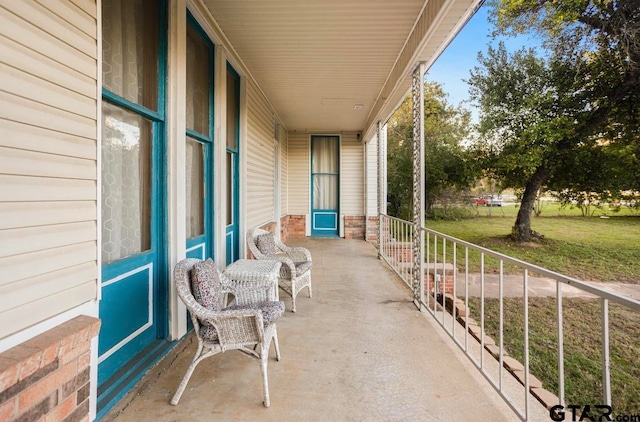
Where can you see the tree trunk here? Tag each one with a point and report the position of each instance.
(521, 231)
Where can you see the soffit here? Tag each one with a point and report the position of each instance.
(317, 60)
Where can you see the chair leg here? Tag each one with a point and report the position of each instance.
(310, 291)
(276, 345)
(265, 380)
(183, 384)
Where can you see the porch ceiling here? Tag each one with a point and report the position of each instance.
(317, 60)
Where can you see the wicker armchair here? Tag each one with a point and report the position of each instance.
(295, 273)
(249, 327)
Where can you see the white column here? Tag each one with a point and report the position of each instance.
(176, 178)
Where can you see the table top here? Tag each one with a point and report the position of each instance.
(253, 267)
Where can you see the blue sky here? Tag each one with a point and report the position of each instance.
(461, 56)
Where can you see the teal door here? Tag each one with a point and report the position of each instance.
(325, 182)
(232, 176)
(133, 303)
(199, 143)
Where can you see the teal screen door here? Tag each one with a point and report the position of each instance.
(325, 180)
(232, 174)
(199, 143)
(133, 306)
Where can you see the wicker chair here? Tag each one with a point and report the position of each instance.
(249, 328)
(295, 273)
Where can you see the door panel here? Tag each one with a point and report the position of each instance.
(325, 182)
(133, 306)
(199, 143)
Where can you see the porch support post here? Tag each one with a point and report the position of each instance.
(417, 91)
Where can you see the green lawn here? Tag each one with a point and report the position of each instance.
(588, 248)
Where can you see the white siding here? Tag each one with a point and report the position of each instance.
(298, 165)
(372, 177)
(351, 176)
(260, 158)
(48, 160)
(284, 172)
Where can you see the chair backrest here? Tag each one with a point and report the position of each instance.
(182, 278)
(253, 236)
(183, 274)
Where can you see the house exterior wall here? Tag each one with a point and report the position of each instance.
(351, 175)
(261, 159)
(48, 161)
(298, 165)
(371, 177)
(284, 172)
(352, 190)
(48, 206)
(372, 148)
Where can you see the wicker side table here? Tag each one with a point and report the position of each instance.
(254, 273)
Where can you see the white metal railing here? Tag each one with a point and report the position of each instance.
(396, 245)
(443, 279)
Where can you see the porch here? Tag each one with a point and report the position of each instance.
(359, 350)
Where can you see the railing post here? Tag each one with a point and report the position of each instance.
(417, 90)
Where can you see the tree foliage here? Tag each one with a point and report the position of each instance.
(568, 120)
(448, 165)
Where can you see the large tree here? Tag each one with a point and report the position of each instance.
(539, 113)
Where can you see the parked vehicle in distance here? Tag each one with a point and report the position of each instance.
(488, 201)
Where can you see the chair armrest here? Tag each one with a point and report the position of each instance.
(287, 263)
(294, 251)
(299, 254)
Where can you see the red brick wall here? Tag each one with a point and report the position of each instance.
(372, 229)
(293, 226)
(284, 228)
(446, 287)
(47, 378)
(354, 227)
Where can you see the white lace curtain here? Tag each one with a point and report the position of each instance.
(325, 172)
(129, 71)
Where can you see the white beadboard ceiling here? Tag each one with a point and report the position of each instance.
(317, 61)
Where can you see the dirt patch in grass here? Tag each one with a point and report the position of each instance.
(582, 347)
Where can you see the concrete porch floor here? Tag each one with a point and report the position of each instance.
(357, 351)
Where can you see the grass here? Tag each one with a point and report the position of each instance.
(587, 248)
(582, 345)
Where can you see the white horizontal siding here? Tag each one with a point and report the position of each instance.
(284, 173)
(260, 159)
(351, 175)
(371, 166)
(48, 159)
(298, 180)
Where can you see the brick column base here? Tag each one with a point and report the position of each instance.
(47, 377)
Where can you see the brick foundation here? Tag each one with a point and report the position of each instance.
(354, 227)
(372, 234)
(447, 288)
(284, 228)
(294, 226)
(47, 378)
